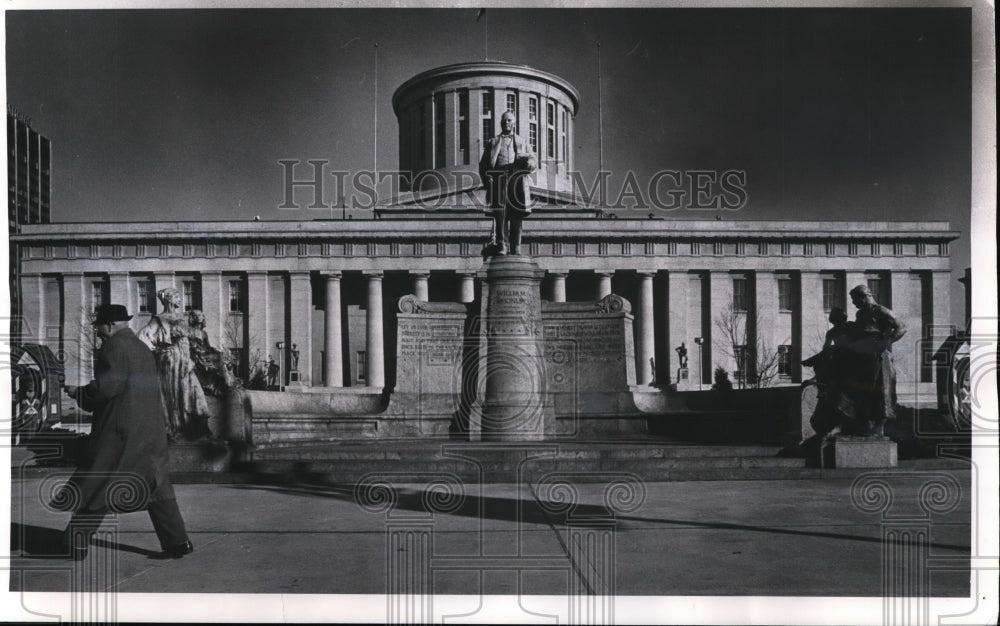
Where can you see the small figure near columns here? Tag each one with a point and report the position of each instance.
(293, 371)
(682, 356)
(272, 372)
(504, 167)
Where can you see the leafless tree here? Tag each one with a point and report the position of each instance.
(79, 342)
(756, 358)
(250, 365)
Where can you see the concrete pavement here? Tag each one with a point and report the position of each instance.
(722, 538)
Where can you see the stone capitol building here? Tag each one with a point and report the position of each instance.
(330, 289)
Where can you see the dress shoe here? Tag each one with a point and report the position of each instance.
(175, 552)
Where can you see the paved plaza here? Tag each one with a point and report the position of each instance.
(808, 537)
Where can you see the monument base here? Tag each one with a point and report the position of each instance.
(211, 455)
(864, 452)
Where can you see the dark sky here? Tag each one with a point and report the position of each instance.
(183, 115)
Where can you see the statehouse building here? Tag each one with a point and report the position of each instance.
(330, 288)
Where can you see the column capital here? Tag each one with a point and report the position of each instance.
(646, 273)
(255, 273)
(332, 274)
(419, 273)
(116, 273)
(559, 273)
(372, 274)
(604, 272)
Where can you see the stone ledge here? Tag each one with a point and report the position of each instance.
(864, 452)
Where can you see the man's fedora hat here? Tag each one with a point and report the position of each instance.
(111, 313)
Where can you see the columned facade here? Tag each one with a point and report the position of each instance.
(303, 283)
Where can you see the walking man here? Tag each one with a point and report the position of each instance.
(125, 466)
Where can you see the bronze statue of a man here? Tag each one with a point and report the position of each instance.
(504, 167)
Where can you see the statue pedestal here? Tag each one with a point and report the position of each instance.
(684, 381)
(872, 452)
(293, 379)
(512, 374)
(211, 455)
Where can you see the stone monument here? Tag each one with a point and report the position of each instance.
(512, 374)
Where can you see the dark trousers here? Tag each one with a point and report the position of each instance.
(165, 515)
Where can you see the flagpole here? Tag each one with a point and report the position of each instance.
(375, 142)
(600, 120)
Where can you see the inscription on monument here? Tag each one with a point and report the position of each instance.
(597, 342)
(429, 350)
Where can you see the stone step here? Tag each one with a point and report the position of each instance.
(488, 464)
(390, 451)
(347, 475)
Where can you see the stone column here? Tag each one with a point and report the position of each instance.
(300, 323)
(941, 320)
(468, 287)
(677, 309)
(764, 316)
(720, 297)
(813, 323)
(76, 344)
(32, 327)
(647, 343)
(162, 280)
(259, 343)
(558, 286)
(118, 291)
(374, 343)
(514, 378)
(216, 314)
(603, 283)
(901, 299)
(420, 289)
(852, 280)
(334, 340)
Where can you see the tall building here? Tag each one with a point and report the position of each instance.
(331, 287)
(29, 187)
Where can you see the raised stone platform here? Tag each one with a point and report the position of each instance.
(869, 452)
(200, 456)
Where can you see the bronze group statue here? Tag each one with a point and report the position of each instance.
(168, 335)
(210, 363)
(504, 167)
(855, 369)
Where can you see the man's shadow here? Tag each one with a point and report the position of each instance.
(38, 542)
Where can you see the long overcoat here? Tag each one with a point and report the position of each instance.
(516, 190)
(125, 465)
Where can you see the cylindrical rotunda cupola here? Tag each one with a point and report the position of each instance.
(445, 115)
